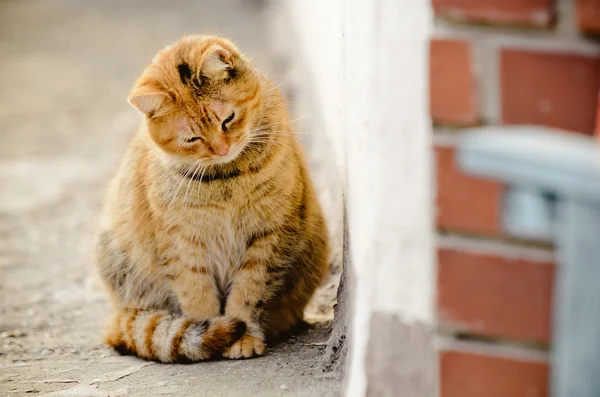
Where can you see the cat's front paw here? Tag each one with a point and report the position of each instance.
(245, 347)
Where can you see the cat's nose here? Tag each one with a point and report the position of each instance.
(221, 148)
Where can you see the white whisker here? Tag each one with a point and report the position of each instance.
(180, 185)
(276, 87)
(198, 168)
(278, 123)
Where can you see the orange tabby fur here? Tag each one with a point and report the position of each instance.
(212, 239)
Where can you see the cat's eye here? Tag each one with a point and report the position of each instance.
(192, 139)
(227, 120)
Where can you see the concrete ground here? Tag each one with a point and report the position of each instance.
(65, 69)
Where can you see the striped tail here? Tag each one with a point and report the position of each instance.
(164, 337)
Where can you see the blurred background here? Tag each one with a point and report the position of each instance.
(505, 291)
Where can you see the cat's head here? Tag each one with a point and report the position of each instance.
(201, 99)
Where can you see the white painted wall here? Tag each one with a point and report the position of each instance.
(369, 65)
(316, 27)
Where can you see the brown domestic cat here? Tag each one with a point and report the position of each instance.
(212, 240)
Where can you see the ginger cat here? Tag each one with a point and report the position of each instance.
(212, 240)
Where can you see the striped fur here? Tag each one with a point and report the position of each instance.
(212, 215)
(164, 337)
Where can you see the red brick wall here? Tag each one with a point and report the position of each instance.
(466, 204)
(501, 62)
(552, 89)
(467, 373)
(452, 88)
(588, 16)
(495, 294)
(521, 12)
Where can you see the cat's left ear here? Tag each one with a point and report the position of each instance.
(146, 100)
(216, 61)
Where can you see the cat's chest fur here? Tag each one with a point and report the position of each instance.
(203, 234)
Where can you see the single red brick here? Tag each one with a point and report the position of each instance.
(465, 374)
(588, 16)
(452, 83)
(551, 89)
(527, 12)
(496, 296)
(464, 203)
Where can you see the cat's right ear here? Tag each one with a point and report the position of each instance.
(216, 61)
(146, 101)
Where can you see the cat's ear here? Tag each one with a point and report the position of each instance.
(146, 100)
(216, 61)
